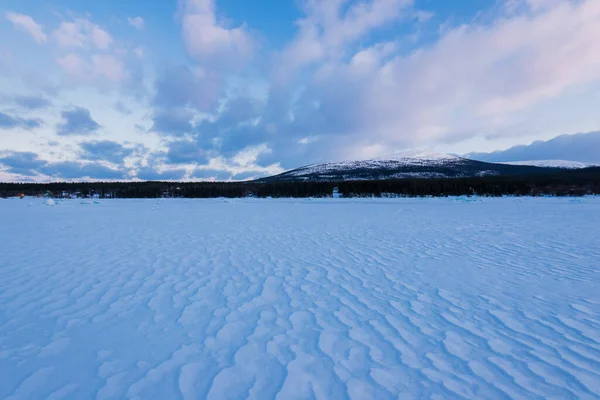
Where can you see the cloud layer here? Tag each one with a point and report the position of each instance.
(76, 121)
(353, 79)
(582, 147)
(27, 24)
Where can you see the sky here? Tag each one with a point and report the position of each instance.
(232, 90)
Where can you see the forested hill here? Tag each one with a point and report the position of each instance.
(407, 165)
(559, 182)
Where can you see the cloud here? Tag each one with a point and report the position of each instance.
(74, 65)
(136, 22)
(122, 108)
(76, 170)
(582, 147)
(235, 127)
(331, 27)
(186, 152)
(173, 122)
(246, 176)
(90, 55)
(108, 66)
(82, 33)
(210, 174)
(347, 85)
(183, 86)
(151, 174)
(31, 102)
(101, 67)
(27, 24)
(209, 41)
(105, 150)
(10, 122)
(232, 129)
(77, 121)
(21, 163)
(184, 95)
(475, 79)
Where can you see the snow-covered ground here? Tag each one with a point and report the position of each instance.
(286, 299)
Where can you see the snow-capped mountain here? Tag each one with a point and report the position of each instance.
(552, 164)
(403, 165)
(388, 163)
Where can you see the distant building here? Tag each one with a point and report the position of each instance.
(336, 193)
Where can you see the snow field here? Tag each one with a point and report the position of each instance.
(296, 299)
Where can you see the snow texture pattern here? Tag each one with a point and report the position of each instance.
(299, 299)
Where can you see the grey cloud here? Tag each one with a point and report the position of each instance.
(581, 147)
(186, 152)
(140, 128)
(172, 122)
(386, 97)
(134, 84)
(32, 102)
(216, 174)
(235, 129)
(29, 164)
(180, 94)
(122, 108)
(77, 121)
(105, 150)
(75, 170)
(22, 163)
(9, 122)
(181, 87)
(150, 174)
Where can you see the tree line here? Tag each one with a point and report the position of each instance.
(563, 183)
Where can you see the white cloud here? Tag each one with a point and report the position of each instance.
(69, 35)
(531, 69)
(82, 33)
(100, 38)
(331, 26)
(209, 41)
(475, 80)
(245, 161)
(136, 22)
(99, 68)
(91, 57)
(249, 156)
(108, 67)
(73, 65)
(26, 23)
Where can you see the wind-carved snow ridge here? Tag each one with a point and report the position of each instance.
(299, 299)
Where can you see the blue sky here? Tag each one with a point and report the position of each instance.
(228, 89)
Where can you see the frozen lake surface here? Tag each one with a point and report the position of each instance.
(298, 299)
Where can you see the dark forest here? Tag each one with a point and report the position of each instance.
(562, 183)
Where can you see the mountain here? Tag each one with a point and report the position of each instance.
(552, 164)
(404, 165)
(580, 147)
